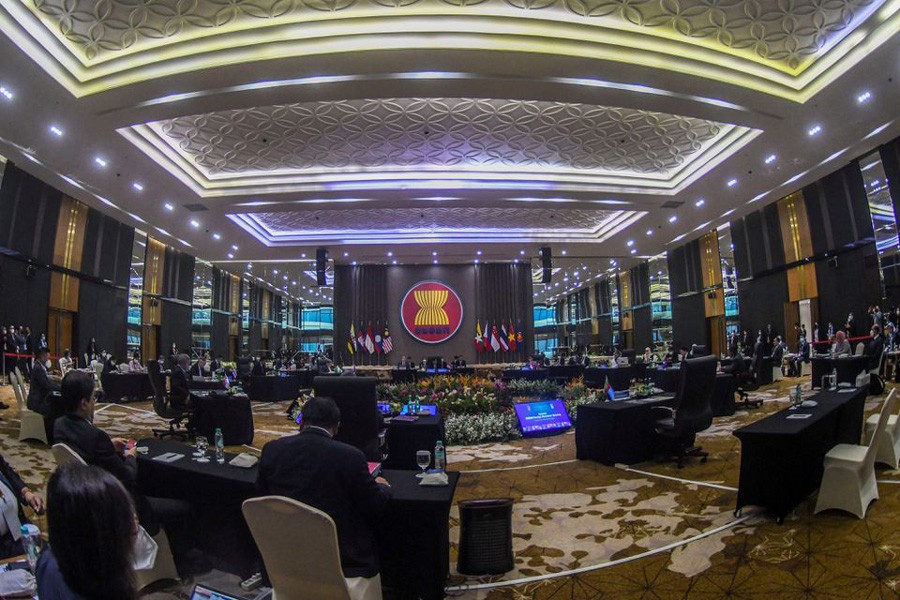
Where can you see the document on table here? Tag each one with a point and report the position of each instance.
(168, 457)
(799, 416)
(846, 390)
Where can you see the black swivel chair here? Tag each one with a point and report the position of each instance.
(162, 406)
(747, 381)
(361, 421)
(692, 412)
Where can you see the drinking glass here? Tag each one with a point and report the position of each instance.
(202, 446)
(423, 459)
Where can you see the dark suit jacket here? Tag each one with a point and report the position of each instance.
(41, 385)
(179, 393)
(333, 477)
(874, 350)
(96, 448)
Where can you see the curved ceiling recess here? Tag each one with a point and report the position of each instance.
(785, 48)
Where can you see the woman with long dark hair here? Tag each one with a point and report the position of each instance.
(92, 526)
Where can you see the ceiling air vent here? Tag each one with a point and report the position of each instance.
(671, 204)
(195, 207)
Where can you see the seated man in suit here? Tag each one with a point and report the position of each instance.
(795, 363)
(41, 386)
(179, 392)
(199, 368)
(875, 347)
(458, 362)
(406, 363)
(332, 476)
(216, 363)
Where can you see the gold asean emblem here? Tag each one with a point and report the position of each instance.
(431, 305)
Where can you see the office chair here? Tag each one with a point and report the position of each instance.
(692, 412)
(361, 421)
(163, 407)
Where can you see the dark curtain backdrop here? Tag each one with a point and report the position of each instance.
(643, 328)
(373, 294)
(29, 210)
(102, 314)
(838, 210)
(890, 159)
(178, 275)
(176, 326)
(604, 330)
(23, 300)
(689, 324)
(851, 286)
(107, 249)
(761, 301)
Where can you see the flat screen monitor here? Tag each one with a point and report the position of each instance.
(543, 418)
(430, 409)
(201, 592)
(384, 407)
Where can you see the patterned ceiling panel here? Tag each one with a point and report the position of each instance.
(437, 133)
(433, 219)
(783, 33)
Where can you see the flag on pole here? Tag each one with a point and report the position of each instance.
(606, 388)
(351, 342)
(479, 343)
(495, 339)
(386, 341)
(370, 341)
(520, 339)
(504, 337)
(512, 337)
(361, 339)
(378, 340)
(487, 336)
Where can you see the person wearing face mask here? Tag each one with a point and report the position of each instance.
(41, 386)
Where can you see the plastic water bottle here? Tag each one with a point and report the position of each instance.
(440, 456)
(31, 544)
(220, 446)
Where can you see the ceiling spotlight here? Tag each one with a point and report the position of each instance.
(169, 206)
(233, 247)
(563, 252)
(633, 250)
(814, 130)
(434, 253)
(516, 261)
(275, 271)
(137, 186)
(6, 93)
(629, 243)
(673, 218)
(353, 263)
(346, 254)
(699, 202)
(522, 252)
(195, 223)
(770, 159)
(864, 97)
(478, 252)
(230, 255)
(435, 261)
(731, 182)
(649, 232)
(476, 261)
(216, 236)
(303, 255)
(56, 131)
(100, 161)
(390, 253)
(394, 262)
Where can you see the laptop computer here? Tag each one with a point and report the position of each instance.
(202, 592)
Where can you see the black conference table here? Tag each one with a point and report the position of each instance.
(847, 368)
(565, 373)
(526, 374)
(231, 413)
(619, 377)
(403, 375)
(618, 432)
(782, 455)
(722, 401)
(207, 384)
(404, 438)
(413, 535)
(134, 386)
(275, 388)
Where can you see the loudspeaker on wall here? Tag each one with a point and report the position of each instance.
(321, 262)
(546, 265)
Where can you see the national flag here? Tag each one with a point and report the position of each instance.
(606, 388)
(370, 341)
(487, 336)
(520, 339)
(479, 344)
(386, 341)
(351, 342)
(504, 338)
(495, 339)
(512, 337)
(378, 340)
(361, 338)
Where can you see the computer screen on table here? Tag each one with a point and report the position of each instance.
(202, 592)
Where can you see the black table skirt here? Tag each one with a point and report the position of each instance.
(527, 374)
(403, 375)
(413, 534)
(405, 438)
(233, 414)
(134, 386)
(782, 459)
(565, 373)
(618, 432)
(269, 388)
(619, 377)
(206, 384)
(722, 401)
(847, 368)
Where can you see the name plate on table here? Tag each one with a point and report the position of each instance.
(799, 416)
(169, 457)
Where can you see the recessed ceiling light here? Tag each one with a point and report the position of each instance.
(673, 218)
(230, 255)
(629, 243)
(233, 247)
(770, 159)
(522, 252)
(353, 263)
(195, 223)
(285, 277)
(216, 236)
(649, 232)
(394, 262)
(633, 250)
(864, 97)
(56, 131)
(303, 255)
(476, 261)
(435, 261)
(516, 261)
(346, 254)
(434, 253)
(699, 202)
(731, 182)
(478, 252)
(563, 252)
(6, 93)
(137, 186)
(275, 271)
(169, 206)
(100, 161)
(814, 130)
(390, 253)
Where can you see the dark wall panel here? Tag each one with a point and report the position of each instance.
(176, 326)
(837, 208)
(107, 248)
(890, 159)
(852, 286)
(741, 248)
(689, 324)
(102, 314)
(604, 330)
(762, 302)
(643, 328)
(218, 334)
(23, 300)
(29, 211)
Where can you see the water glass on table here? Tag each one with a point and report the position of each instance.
(202, 446)
(423, 459)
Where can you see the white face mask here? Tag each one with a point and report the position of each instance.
(47, 364)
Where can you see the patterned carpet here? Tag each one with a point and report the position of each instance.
(584, 530)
